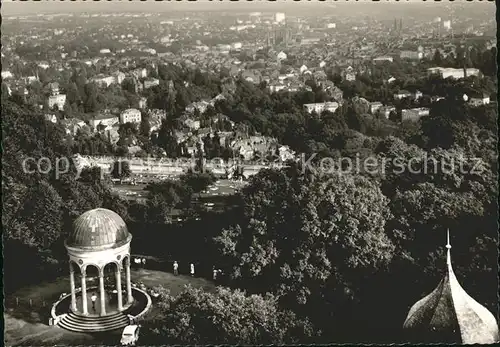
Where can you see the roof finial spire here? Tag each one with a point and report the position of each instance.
(448, 247)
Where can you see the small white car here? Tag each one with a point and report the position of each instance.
(130, 335)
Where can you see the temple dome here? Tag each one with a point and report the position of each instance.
(450, 315)
(98, 229)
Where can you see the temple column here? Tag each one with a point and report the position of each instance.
(84, 293)
(129, 285)
(102, 292)
(118, 275)
(72, 285)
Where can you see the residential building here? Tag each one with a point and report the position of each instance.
(321, 106)
(385, 111)
(411, 55)
(350, 77)
(44, 65)
(119, 77)
(402, 94)
(281, 56)
(104, 81)
(57, 100)
(451, 72)
(279, 17)
(414, 114)
(349, 74)
(192, 124)
(236, 46)
(285, 153)
(320, 75)
(375, 106)
(223, 48)
(276, 86)
(436, 98)
(54, 88)
(479, 100)
(335, 92)
(143, 103)
(7, 74)
(310, 40)
(383, 59)
(151, 82)
(130, 115)
(50, 118)
(155, 118)
(201, 106)
(107, 120)
(151, 51)
(180, 137)
(30, 79)
(251, 76)
(139, 73)
(282, 78)
(218, 97)
(72, 125)
(246, 152)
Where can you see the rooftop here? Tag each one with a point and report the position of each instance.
(98, 229)
(450, 315)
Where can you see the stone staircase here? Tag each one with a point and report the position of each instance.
(85, 324)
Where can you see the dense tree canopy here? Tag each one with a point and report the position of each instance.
(40, 202)
(309, 240)
(225, 317)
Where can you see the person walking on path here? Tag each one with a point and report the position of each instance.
(176, 268)
(192, 269)
(93, 298)
(214, 271)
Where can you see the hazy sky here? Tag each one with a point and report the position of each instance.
(57, 6)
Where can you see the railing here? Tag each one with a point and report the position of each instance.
(142, 314)
(31, 302)
(36, 307)
(64, 296)
(57, 319)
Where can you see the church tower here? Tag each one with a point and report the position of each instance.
(450, 315)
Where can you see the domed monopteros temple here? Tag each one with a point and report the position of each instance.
(450, 315)
(99, 255)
